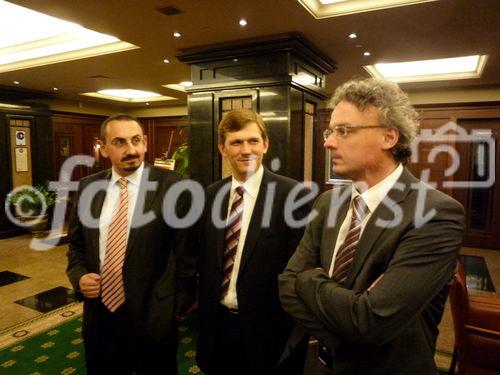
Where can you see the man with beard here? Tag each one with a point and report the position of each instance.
(133, 271)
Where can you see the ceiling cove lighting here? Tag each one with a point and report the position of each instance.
(181, 86)
(334, 8)
(129, 95)
(44, 40)
(464, 67)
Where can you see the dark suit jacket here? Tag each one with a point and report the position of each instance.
(159, 271)
(390, 328)
(265, 254)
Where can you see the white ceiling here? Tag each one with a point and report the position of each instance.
(444, 28)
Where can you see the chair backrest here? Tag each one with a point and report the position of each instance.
(459, 303)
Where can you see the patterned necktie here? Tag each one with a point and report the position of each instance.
(233, 229)
(345, 253)
(112, 291)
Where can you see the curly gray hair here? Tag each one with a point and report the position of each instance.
(394, 107)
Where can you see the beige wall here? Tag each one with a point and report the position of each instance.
(94, 108)
(454, 95)
(417, 97)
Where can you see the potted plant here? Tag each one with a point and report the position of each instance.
(181, 157)
(31, 207)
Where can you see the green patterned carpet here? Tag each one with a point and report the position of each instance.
(59, 350)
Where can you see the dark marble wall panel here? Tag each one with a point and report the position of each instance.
(5, 181)
(296, 146)
(201, 137)
(274, 108)
(42, 142)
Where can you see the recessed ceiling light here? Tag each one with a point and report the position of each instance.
(16, 82)
(47, 40)
(353, 35)
(129, 95)
(243, 22)
(366, 53)
(166, 61)
(147, 103)
(430, 70)
(177, 35)
(186, 83)
(333, 8)
(55, 89)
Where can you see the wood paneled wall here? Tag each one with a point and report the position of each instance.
(76, 134)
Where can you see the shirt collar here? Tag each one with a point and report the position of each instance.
(251, 185)
(374, 195)
(134, 178)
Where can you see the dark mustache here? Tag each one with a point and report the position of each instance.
(130, 157)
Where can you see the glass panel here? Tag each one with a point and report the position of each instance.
(480, 198)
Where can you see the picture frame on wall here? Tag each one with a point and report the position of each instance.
(330, 177)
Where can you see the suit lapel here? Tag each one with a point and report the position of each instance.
(255, 225)
(220, 231)
(148, 174)
(372, 230)
(332, 234)
(95, 209)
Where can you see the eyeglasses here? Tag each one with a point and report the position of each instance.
(343, 131)
(122, 142)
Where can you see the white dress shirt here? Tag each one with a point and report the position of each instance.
(372, 197)
(111, 203)
(251, 186)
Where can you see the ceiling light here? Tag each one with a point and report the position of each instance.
(304, 78)
(353, 35)
(333, 8)
(16, 82)
(15, 106)
(55, 89)
(177, 35)
(243, 22)
(366, 53)
(175, 86)
(430, 70)
(47, 40)
(147, 103)
(166, 61)
(129, 95)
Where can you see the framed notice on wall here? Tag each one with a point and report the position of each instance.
(21, 159)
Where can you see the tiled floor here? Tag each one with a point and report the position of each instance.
(43, 271)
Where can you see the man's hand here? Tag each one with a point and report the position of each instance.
(90, 285)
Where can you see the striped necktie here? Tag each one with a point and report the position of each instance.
(346, 251)
(232, 236)
(112, 290)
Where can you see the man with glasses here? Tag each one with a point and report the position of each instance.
(369, 277)
(133, 271)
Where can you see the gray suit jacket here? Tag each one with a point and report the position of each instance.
(389, 327)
